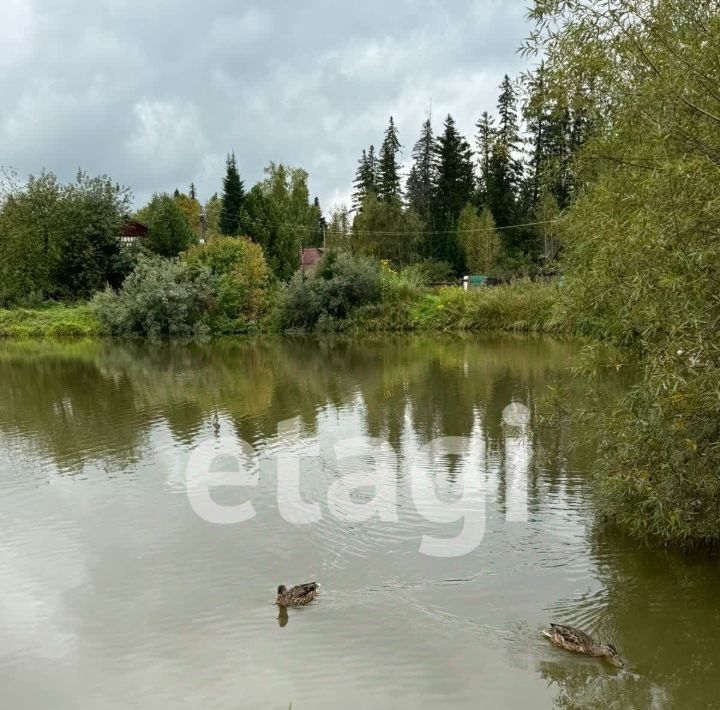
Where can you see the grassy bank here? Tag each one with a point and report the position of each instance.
(524, 307)
(50, 321)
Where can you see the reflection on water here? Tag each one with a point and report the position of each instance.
(115, 594)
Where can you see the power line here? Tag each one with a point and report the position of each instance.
(406, 233)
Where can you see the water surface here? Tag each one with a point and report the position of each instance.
(116, 594)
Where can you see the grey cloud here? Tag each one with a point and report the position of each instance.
(156, 93)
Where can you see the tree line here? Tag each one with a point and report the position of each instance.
(462, 206)
(457, 207)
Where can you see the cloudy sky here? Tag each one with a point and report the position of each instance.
(156, 92)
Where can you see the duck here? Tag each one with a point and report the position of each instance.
(573, 639)
(299, 595)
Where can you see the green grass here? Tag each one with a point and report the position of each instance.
(523, 307)
(55, 321)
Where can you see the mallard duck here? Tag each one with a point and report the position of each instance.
(300, 595)
(578, 641)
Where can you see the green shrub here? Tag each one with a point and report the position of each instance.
(523, 307)
(430, 272)
(244, 281)
(402, 285)
(339, 284)
(162, 297)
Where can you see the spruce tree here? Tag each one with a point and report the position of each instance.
(192, 192)
(505, 170)
(484, 140)
(419, 189)
(315, 238)
(389, 188)
(453, 189)
(365, 178)
(232, 198)
(373, 170)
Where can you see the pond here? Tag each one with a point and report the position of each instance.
(154, 496)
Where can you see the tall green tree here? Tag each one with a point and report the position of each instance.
(278, 215)
(505, 170)
(339, 229)
(548, 126)
(94, 212)
(232, 198)
(422, 177)
(389, 183)
(169, 231)
(484, 140)
(453, 190)
(479, 240)
(316, 238)
(191, 210)
(60, 241)
(366, 178)
(213, 208)
(385, 230)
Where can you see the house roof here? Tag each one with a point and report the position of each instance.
(133, 228)
(310, 256)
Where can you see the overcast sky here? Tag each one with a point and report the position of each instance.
(156, 92)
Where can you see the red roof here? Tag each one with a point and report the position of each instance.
(132, 229)
(309, 257)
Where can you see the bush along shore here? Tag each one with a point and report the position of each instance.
(225, 287)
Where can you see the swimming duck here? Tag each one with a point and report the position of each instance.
(578, 641)
(300, 595)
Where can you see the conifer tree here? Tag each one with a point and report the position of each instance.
(232, 198)
(313, 236)
(389, 188)
(365, 178)
(419, 190)
(453, 189)
(192, 192)
(505, 170)
(484, 142)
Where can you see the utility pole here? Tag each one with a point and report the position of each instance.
(203, 225)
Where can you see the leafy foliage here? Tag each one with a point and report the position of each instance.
(243, 281)
(60, 241)
(642, 254)
(278, 215)
(479, 240)
(169, 232)
(339, 284)
(162, 297)
(385, 230)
